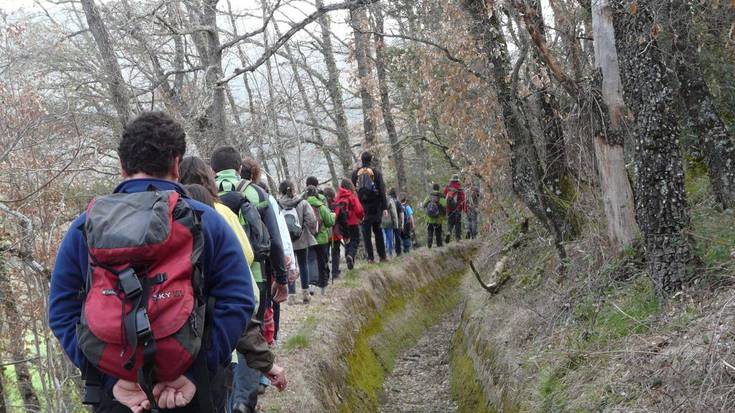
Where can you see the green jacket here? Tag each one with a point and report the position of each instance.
(441, 219)
(327, 217)
(227, 181)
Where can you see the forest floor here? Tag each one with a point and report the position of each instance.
(420, 381)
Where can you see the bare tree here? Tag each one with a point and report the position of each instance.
(360, 28)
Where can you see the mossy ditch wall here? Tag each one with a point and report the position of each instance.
(386, 314)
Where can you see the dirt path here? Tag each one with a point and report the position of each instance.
(420, 380)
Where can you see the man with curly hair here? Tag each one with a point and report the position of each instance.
(150, 150)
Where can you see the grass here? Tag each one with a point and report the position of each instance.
(301, 339)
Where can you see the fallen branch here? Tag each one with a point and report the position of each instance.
(499, 274)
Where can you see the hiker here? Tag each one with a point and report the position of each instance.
(336, 234)
(235, 178)
(325, 221)
(473, 203)
(301, 223)
(370, 189)
(455, 202)
(398, 224)
(252, 345)
(196, 263)
(387, 223)
(408, 224)
(435, 207)
(355, 213)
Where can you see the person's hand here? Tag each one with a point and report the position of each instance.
(292, 275)
(280, 292)
(131, 395)
(277, 376)
(176, 393)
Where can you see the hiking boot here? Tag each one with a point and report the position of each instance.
(312, 290)
(291, 299)
(324, 290)
(384, 259)
(307, 298)
(371, 262)
(447, 239)
(350, 262)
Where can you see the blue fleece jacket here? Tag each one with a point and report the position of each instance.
(227, 279)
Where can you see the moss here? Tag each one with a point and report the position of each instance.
(466, 389)
(302, 338)
(394, 328)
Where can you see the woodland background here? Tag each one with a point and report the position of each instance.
(613, 119)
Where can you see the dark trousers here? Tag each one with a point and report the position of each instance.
(455, 225)
(367, 227)
(472, 224)
(322, 263)
(397, 237)
(432, 230)
(407, 243)
(302, 256)
(336, 246)
(351, 247)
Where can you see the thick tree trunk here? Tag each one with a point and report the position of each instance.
(359, 22)
(525, 164)
(715, 140)
(113, 76)
(214, 123)
(661, 204)
(335, 94)
(616, 191)
(396, 155)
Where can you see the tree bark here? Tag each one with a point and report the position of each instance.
(617, 193)
(661, 203)
(114, 79)
(396, 154)
(335, 94)
(359, 22)
(714, 137)
(526, 169)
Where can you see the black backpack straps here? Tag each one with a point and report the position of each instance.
(199, 368)
(242, 185)
(92, 384)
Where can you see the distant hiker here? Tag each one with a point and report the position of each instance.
(348, 200)
(119, 280)
(408, 224)
(301, 223)
(388, 222)
(456, 205)
(473, 204)
(370, 188)
(235, 178)
(435, 207)
(325, 221)
(398, 225)
(336, 235)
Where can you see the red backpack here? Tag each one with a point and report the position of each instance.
(144, 307)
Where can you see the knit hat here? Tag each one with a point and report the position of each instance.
(455, 178)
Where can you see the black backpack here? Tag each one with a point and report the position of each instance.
(255, 229)
(340, 218)
(367, 191)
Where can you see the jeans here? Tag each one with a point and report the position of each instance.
(472, 224)
(351, 247)
(407, 244)
(433, 229)
(455, 225)
(397, 237)
(244, 384)
(367, 227)
(388, 236)
(336, 253)
(302, 256)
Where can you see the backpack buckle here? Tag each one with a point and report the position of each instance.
(130, 283)
(142, 325)
(92, 394)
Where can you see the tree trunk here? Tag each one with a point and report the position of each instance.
(396, 154)
(714, 137)
(359, 22)
(335, 94)
(661, 204)
(616, 191)
(526, 170)
(114, 79)
(214, 123)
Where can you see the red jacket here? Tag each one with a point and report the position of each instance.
(461, 202)
(355, 212)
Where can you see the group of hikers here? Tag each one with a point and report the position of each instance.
(167, 293)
